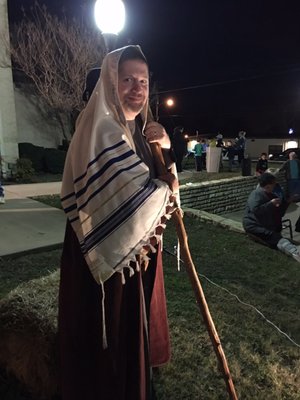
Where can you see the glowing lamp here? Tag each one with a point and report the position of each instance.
(170, 102)
(109, 16)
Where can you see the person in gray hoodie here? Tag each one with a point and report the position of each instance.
(263, 214)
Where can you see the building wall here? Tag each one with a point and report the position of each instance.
(254, 147)
(35, 124)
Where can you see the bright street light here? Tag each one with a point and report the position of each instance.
(110, 15)
(170, 102)
(110, 19)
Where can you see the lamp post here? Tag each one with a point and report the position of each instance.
(110, 19)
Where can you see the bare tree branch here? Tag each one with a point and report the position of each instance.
(56, 54)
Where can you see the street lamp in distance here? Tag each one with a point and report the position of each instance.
(110, 19)
(168, 102)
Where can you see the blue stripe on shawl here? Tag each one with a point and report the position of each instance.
(118, 217)
(74, 206)
(107, 182)
(97, 158)
(90, 164)
(102, 170)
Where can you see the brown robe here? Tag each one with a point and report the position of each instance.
(122, 371)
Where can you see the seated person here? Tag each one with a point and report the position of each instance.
(262, 164)
(263, 214)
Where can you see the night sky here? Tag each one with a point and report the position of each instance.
(242, 56)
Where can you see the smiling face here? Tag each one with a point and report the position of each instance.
(133, 87)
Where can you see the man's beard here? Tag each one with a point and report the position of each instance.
(133, 106)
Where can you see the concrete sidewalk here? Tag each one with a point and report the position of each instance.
(31, 190)
(26, 224)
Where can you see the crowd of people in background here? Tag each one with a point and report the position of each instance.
(232, 149)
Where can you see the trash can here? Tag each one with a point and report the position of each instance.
(213, 157)
(246, 167)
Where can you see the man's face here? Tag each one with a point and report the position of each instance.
(133, 87)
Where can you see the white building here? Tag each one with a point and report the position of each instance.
(256, 146)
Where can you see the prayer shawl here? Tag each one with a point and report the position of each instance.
(107, 194)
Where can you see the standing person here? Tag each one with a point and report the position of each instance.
(198, 155)
(180, 146)
(240, 146)
(220, 142)
(292, 174)
(112, 309)
(2, 199)
(221, 145)
(262, 164)
(263, 214)
(230, 151)
(203, 156)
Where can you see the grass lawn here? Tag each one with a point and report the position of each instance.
(265, 365)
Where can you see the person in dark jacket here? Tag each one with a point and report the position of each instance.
(262, 164)
(230, 152)
(263, 214)
(179, 146)
(241, 145)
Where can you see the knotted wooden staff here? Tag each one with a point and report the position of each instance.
(192, 273)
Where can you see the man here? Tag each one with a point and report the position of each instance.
(240, 146)
(204, 149)
(263, 214)
(198, 155)
(292, 173)
(112, 309)
(179, 146)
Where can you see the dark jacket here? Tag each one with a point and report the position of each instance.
(231, 152)
(261, 166)
(261, 216)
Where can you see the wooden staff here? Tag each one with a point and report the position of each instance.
(192, 273)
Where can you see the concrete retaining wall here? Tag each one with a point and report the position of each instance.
(221, 196)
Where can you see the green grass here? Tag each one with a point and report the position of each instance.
(264, 364)
(16, 270)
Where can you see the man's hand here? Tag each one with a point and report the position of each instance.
(276, 202)
(171, 180)
(155, 132)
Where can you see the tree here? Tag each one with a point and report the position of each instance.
(56, 54)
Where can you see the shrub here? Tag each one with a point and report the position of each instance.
(24, 170)
(33, 153)
(54, 160)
